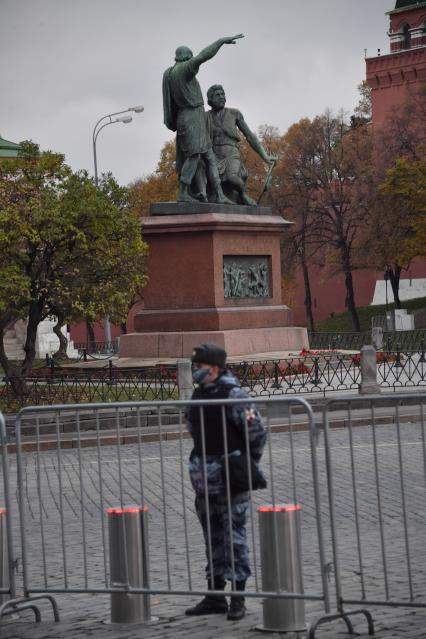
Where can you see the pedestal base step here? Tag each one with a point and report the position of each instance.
(229, 318)
(235, 342)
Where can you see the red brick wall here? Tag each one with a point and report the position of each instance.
(328, 293)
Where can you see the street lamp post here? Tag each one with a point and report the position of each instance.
(104, 121)
(101, 124)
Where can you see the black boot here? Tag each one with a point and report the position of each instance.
(237, 609)
(211, 605)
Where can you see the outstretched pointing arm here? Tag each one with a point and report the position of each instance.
(210, 51)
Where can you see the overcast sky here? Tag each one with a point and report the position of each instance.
(65, 63)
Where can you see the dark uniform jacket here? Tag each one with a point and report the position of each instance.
(238, 418)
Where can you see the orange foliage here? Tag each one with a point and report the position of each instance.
(160, 186)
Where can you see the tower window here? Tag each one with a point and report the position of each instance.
(407, 37)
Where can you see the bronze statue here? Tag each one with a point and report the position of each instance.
(184, 113)
(224, 127)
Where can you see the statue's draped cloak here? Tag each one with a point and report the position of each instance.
(169, 107)
(184, 110)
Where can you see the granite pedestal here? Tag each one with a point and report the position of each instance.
(187, 301)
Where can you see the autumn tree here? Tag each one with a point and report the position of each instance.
(405, 185)
(364, 109)
(342, 172)
(293, 195)
(160, 186)
(66, 248)
(400, 148)
(323, 184)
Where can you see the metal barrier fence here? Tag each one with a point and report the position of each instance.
(64, 495)
(7, 575)
(365, 488)
(377, 505)
(10, 603)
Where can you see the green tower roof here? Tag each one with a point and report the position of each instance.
(8, 149)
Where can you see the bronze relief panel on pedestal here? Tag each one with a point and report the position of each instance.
(247, 276)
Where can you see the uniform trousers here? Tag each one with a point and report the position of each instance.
(219, 555)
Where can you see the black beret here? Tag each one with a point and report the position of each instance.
(209, 354)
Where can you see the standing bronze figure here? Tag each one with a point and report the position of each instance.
(184, 113)
(225, 127)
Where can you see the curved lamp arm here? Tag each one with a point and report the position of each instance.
(124, 120)
(136, 109)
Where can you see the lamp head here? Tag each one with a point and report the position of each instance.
(125, 119)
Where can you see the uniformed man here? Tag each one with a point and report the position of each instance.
(206, 468)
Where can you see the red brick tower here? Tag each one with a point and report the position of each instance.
(391, 75)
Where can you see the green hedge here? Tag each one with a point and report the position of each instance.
(342, 322)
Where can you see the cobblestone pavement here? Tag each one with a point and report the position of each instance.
(84, 488)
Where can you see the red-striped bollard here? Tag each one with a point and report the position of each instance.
(129, 565)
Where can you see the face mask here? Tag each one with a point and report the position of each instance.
(200, 374)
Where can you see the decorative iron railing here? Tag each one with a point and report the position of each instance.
(301, 374)
(379, 321)
(404, 340)
(335, 340)
(97, 348)
(308, 372)
(402, 369)
(62, 386)
(407, 340)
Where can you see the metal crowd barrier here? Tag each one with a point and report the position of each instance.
(10, 602)
(65, 494)
(379, 501)
(7, 574)
(373, 478)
